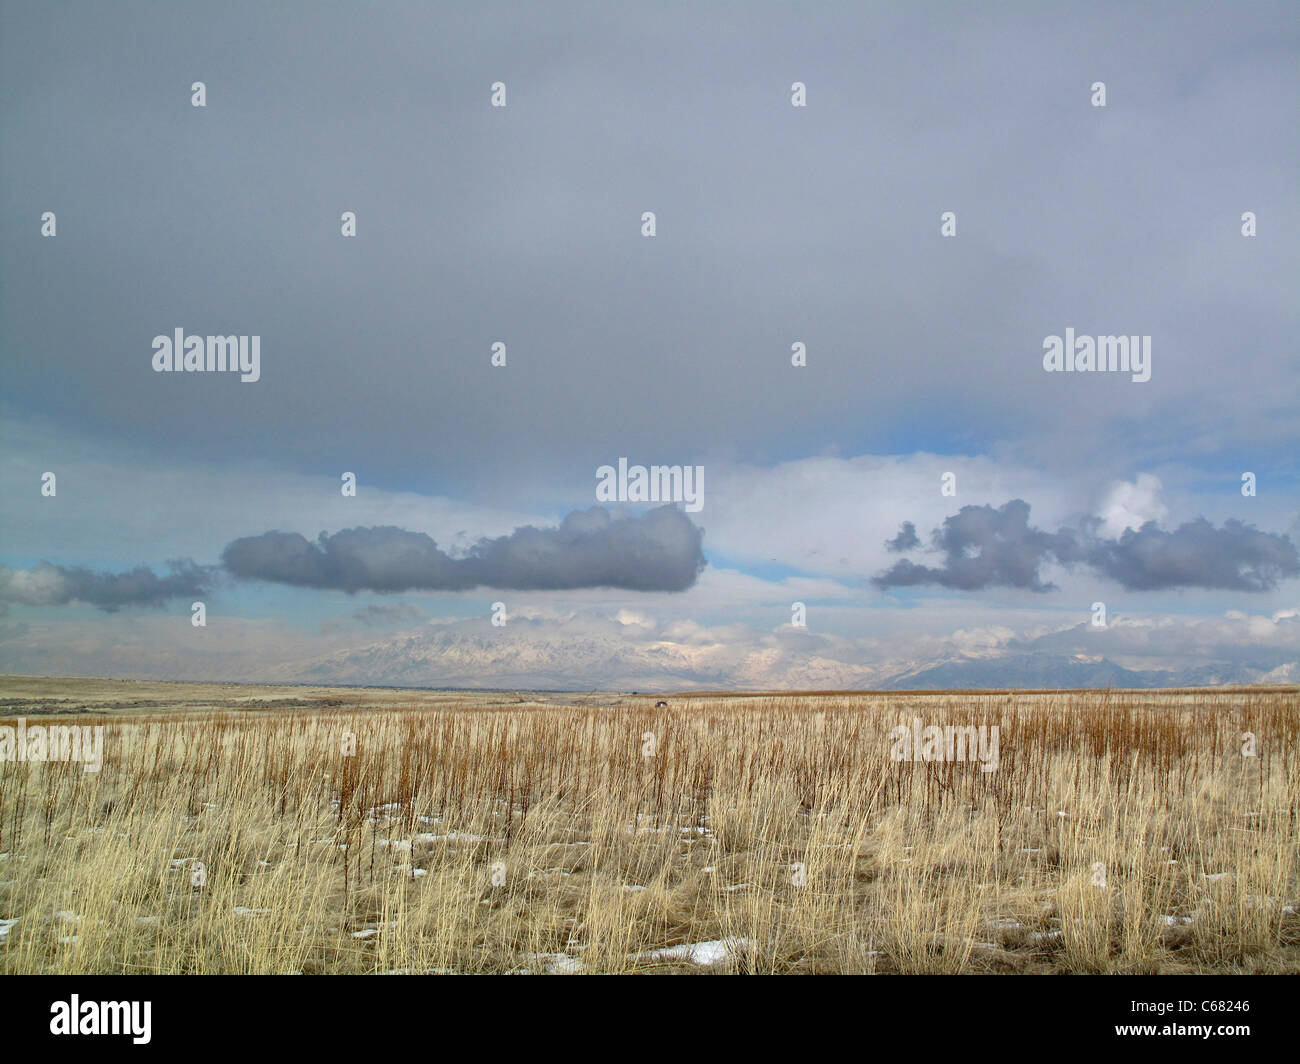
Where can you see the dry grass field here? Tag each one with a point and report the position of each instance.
(287, 830)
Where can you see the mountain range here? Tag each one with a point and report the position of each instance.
(530, 655)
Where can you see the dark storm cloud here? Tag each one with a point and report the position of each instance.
(659, 551)
(906, 539)
(356, 559)
(59, 585)
(1236, 557)
(987, 547)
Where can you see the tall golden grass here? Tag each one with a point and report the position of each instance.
(1121, 832)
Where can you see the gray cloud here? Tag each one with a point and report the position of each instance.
(659, 551)
(985, 547)
(384, 616)
(58, 585)
(1236, 557)
(907, 539)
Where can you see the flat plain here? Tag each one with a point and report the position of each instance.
(237, 828)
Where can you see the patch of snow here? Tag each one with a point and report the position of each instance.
(704, 954)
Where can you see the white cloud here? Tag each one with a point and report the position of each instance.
(831, 516)
(1131, 505)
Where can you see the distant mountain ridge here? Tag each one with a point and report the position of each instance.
(528, 656)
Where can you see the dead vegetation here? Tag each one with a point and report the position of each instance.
(1121, 832)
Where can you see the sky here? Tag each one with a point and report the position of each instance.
(943, 506)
